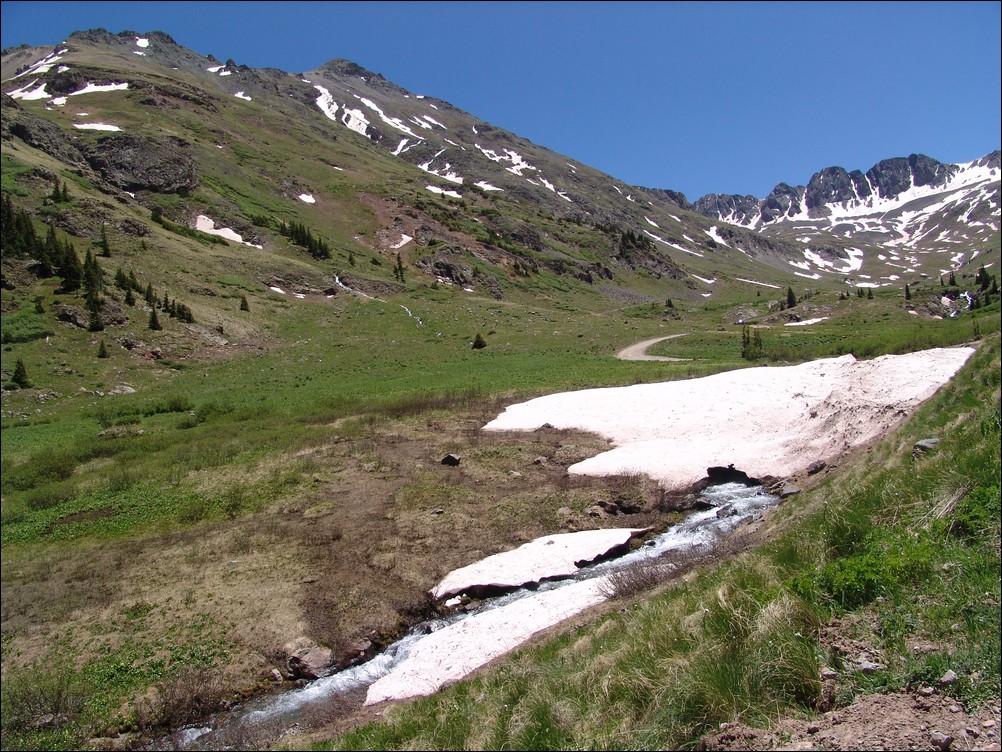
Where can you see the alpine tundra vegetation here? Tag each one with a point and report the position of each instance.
(282, 352)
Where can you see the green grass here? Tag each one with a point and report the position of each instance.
(911, 542)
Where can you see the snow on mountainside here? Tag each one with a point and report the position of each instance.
(903, 209)
(904, 216)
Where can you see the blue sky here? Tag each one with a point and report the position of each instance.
(697, 97)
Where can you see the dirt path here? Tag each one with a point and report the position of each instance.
(639, 350)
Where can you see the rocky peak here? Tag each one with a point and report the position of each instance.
(784, 201)
(834, 185)
(891, 177)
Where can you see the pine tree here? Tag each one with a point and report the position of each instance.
(244, 305)
(130, 297)
(791, 299)
(398, 271)
(154, 320)
(20, 376)
(105, 246)
(869, 293)
(69, 269)
(151, 298)
(908, 293)
(102, 351)
(479, 342)
(39, 308)
(56, 194)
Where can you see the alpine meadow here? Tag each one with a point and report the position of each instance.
(334, 417)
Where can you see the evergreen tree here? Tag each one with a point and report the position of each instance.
(869, 293)
(56, 194)
(121, 281)
(154, 320)
(953, 280)
(151, 298)
(20, 376)
(70, 270)
(39, 308)
(94, 323)
(105, 246)
(479, 342)
(398, 271)
(908, 293)
(65, 196)
(244, 305)
(791, 299)
(130, 297)
(102, 351)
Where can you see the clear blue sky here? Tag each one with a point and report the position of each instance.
(697, 97)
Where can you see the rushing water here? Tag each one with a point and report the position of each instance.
(733, 504)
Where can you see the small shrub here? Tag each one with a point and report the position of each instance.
(45, 467)
(479, 342)
(854, 581)
(187, 697)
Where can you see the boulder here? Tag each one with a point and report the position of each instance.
(307, 660)
(452, 460)
(923, 446)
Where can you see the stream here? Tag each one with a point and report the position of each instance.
(289, 711)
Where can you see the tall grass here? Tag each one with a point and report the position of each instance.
(912, 542)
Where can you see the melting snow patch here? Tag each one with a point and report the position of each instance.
(96, 127)
(707, 281)
(808, 322)
(142, 42)
(404, 240)
(206, 225)
(94, 88)
(241, 95)
(215, 69)
(27, 93)
(306, 198)
(712, 232)
(442, 191)
(279, 290)
(485, 186)
(763, 284)
(138, 52)
(651, 222)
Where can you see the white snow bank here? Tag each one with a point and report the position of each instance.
(549, 556)
(27, 93)
(454, 651)
(442, 191)
(95, 88)
(96, 127)
(204, 224)
(808, 322)
(764, 421)
(241, 95)
(306, 198)
(142, 42)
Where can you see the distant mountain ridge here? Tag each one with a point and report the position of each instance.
(847, 226)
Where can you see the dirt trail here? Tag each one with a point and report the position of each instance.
(639, 350)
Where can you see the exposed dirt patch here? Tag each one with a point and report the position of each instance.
(906, 720)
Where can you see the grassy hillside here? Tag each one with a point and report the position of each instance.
(898, 553)
(180, 502)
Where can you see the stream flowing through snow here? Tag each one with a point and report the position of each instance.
(731, 505)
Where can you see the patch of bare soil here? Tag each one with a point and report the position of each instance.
(900, 721)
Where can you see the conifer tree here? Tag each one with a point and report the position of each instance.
(154, 320)
(69, 269)
(105, 246)
(869, 293)
(479, 342)
(244, 305)
(20, 376)
(908, 293)
(102, 351)
(791, 299)
(130, 297)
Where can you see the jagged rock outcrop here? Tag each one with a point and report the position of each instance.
(743, 209)
(834, 185)
(141, 163)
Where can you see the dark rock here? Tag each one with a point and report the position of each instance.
(728, 474)
(816, 467)
(940, 741)
(78, 317)
(451, 460)
(925, 445)
(136, 163)
(784, 201)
